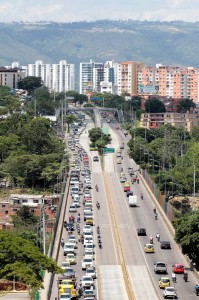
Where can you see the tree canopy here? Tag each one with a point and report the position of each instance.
(154, 105)
(185, 105)
(30, 83)
(187, 235)
(19, 257)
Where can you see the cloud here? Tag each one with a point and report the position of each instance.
(76, 10)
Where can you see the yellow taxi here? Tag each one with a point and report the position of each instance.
(70, 258)
(119, 161)
(89, 221)
(148, 248)
(67, 286)
(164, 282)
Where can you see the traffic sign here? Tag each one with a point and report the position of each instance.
(109, 150)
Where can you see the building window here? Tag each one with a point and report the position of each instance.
(6, 212)
(3, 205)
(35, 201)
(24, 201)
(32, 210)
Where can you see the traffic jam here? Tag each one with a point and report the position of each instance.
(79, 278)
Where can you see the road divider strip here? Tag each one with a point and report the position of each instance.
(119, 250)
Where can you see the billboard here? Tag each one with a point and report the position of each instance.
(148, 89)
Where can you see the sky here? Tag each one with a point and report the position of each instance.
(91, 10)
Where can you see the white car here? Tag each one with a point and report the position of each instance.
(73, 239)
(87, 281)
(76, 198)
(88, 240)
(87, 263)
(89, 254)
(87, 228)
(73, 208)
(88, 235)
(169, 292)
(91, 272)
(69, 248)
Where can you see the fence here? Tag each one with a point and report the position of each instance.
(161, 199)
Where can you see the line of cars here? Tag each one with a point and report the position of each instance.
(80, 233)
(159, 267)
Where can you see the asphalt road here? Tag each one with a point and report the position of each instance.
(131, 218)
(139, 264)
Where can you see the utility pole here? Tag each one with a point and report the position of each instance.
(35, 106)
(194, 186)
(44, 229)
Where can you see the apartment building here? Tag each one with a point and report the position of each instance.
(11, 76)
(126, 80)
(92, 74)
(169, 81)
(57, 77)
(155, 120)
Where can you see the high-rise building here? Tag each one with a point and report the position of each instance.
(169, 81)
(57, 77)
(91, 74)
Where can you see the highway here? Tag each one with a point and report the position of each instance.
(118, 223)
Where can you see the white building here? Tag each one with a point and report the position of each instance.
(57, 77)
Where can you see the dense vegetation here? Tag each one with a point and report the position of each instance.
(98, 139)
(80, 41)
(187, 235)
(169, 154)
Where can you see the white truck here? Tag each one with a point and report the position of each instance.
(132, 200)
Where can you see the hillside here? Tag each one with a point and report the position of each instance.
(174, 43)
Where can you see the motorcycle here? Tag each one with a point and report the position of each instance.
(100, 245)
(185, 277)
(138, 181)
(197, 292)
(62, 243)
(98, 205)
(151, 240)
(156, 216)
(96, 187)
(98, 230)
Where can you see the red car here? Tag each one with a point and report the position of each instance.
(178, 268)
(127, 188)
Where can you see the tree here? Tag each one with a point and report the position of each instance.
(195, 133)
(185, 105)
(36, 136)
(69, 119)
(154, 105)
(30, 83)
(24, 217)
(44, 101)
(187, 235)
(21, 258)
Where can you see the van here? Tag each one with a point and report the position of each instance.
(132, 200)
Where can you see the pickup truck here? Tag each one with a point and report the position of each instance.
(160, 267)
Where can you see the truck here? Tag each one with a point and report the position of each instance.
(132, 200)
(160, 267)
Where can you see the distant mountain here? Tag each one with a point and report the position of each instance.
(172, 43)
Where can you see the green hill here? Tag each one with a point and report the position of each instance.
(174, 43)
